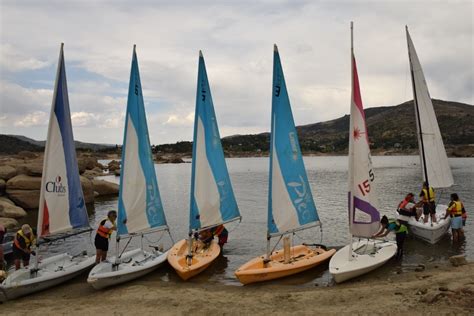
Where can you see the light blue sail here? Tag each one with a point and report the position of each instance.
(212, 198)
(290, 201)
(140, 207)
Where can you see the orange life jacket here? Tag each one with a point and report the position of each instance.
(103, 231)
(403, 204)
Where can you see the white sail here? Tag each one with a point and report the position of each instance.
(437, 171)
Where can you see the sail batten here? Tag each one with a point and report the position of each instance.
(62, 205)
(362, 200)
(433, 157)
(140, 207)
(212, 197)
(290, 201)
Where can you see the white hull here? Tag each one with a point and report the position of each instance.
(134, 264)
(367, 255)
(429, 232)
(52, 271)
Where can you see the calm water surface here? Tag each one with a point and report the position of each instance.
(395, 176)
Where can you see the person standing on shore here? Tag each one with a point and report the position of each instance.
(427, 195)
(22, 243)
(104, 231)
(400, 230)
(455, 210)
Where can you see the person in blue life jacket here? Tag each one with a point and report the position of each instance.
(22, 243)
(400, 230)
(456, 210)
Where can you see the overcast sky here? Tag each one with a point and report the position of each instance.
(237, 39)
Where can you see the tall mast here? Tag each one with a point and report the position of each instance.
(351, 198)
(415, 101)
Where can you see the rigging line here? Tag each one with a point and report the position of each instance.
(124, 248)
(156, 241)
(235, 227)
(171, 237)
(279, 239)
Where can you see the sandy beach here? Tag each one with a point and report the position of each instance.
(441, 289)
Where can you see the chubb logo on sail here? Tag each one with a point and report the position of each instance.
(56, 186)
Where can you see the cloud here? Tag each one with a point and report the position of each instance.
(177, 120)
(36, 118)
(15, 60)
(313, 39)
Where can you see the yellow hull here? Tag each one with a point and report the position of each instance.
(202, 257)
(302, 258)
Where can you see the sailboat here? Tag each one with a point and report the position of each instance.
(291, 206)
(140, 210)
(434, 161)
(365, 254)
(212, 197)
(62, 210)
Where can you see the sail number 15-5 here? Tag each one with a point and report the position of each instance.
(364, 187)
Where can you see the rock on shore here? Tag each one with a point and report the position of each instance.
(20, 184)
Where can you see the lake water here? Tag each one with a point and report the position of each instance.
(395, 176)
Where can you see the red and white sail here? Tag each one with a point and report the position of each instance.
(363, 214)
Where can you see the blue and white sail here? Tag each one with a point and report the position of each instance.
(212, 198)
(140, 207)
(290, 201)
(62, 205)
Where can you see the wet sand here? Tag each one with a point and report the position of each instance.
(440, 289)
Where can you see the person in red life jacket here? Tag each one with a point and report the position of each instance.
(22, 243)
(221, 233)
(102, 236)
(407, 207)
(427, 195)
(454, 210)
(3, 231)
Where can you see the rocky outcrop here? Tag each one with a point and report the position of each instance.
(24, 182)
(91, 174)
(34, 169)
(87, 163)
(113, 165)
(458, 260)
(8, 223)
(87, 189)
(27, 154)
(168, 159)
(24, 191)
(105, 188)
(7, 172)
(8, 209)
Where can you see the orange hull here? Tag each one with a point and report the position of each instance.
(202, 257)
(302, 258)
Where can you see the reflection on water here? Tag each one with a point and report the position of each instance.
(395, 176)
